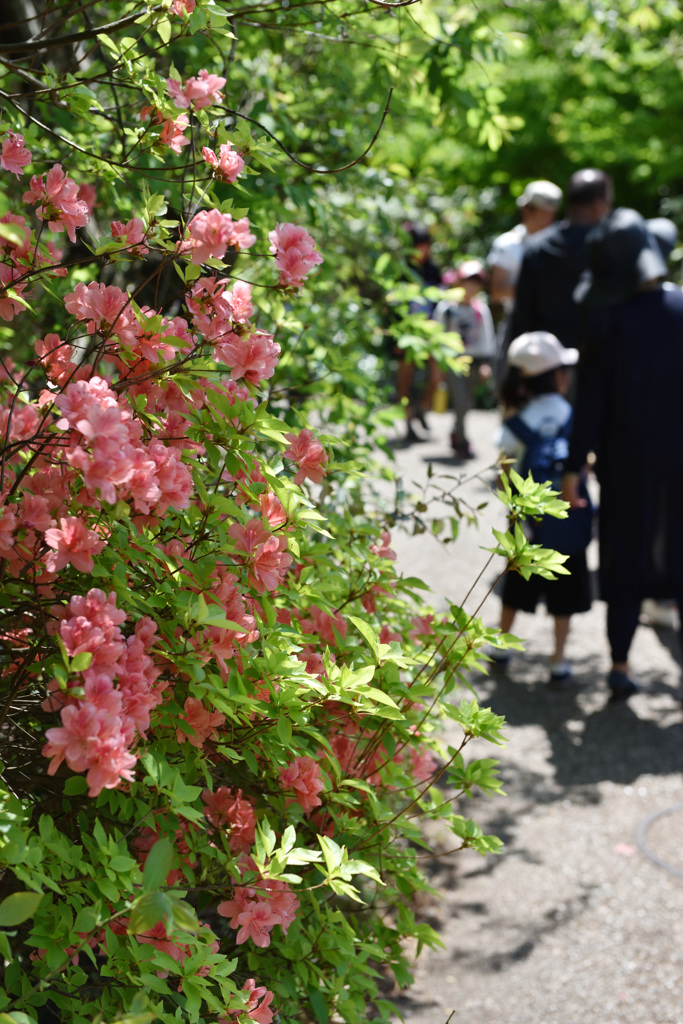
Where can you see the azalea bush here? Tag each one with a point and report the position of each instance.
(220, 697)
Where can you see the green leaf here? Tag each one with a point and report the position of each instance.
(184, 916)
(164, 30)
(157, 866)
(368, 632)
(284, 729)
(18, 907)
(148, 910)
(319, 1005)
(81, 662)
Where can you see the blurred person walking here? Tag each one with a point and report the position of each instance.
(537, 381)
(470, 317)
(629, 413)
(555, 258)
(538, 206)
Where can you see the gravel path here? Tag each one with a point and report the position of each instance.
(573, 923)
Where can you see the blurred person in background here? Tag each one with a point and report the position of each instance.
(555, 259)
(469, 316)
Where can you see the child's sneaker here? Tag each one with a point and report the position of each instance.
(560, 675)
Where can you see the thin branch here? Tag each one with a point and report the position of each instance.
(310, 167)
(76, 37)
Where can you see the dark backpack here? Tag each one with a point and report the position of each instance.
(545, 458)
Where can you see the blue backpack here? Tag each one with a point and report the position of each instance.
(545, 458)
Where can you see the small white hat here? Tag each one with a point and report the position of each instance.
(542, 194)
(536, 352)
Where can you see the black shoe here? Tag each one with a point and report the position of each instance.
(420, 417)
(621, 686)
(411, 437)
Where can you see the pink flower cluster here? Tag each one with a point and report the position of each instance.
(58, 201)
(295, 254)
(324, 625)
(131, 235)
(256, 1011)
(303, 776)
(15, 256)
(255, 910)
(160, 939)
(74, 544)
(253, 357)
(227, 164)
(204, 724)
(99, 728)
(113, 461)
(172, 133)
(200, 91)
(211, 232)
(310, 456)
(225, 809)
(14, 155)
(265, 554)
(218, 642)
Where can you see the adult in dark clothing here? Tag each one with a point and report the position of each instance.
(630, 414)
(555, 259)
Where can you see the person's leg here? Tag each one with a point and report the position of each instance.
(460, 400)
(561, 634)
(507, 617)
(622, 620)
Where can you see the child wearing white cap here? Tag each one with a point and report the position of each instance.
(538, 378)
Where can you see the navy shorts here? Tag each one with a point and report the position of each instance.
(565, 595)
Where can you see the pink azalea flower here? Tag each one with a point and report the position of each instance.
(309, 455)
(34, 513)
(241, 898)
(8, 522)
(88, 195)
(386, 635)
(107, 310)
(303, 776)
(227, 164)
(204, 723)
(181, 7)
(58, 201)
(16, 250)
(132, 234)
(14, 155)
(381, 547)
(239, 300)
(254, 357)
(91, 740)
(233, 811)
(56, 357)
(74, 544)
(172, 133)
(202, 91)
(422, 763)
(10, 307)
(255, 923)
(272, 510)
(266, 555)
(422, 626)
(211, 232)
(255, 1011)
(324, 625)
(295, 254)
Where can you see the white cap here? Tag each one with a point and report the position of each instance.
(536, 352)
(543, 194)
